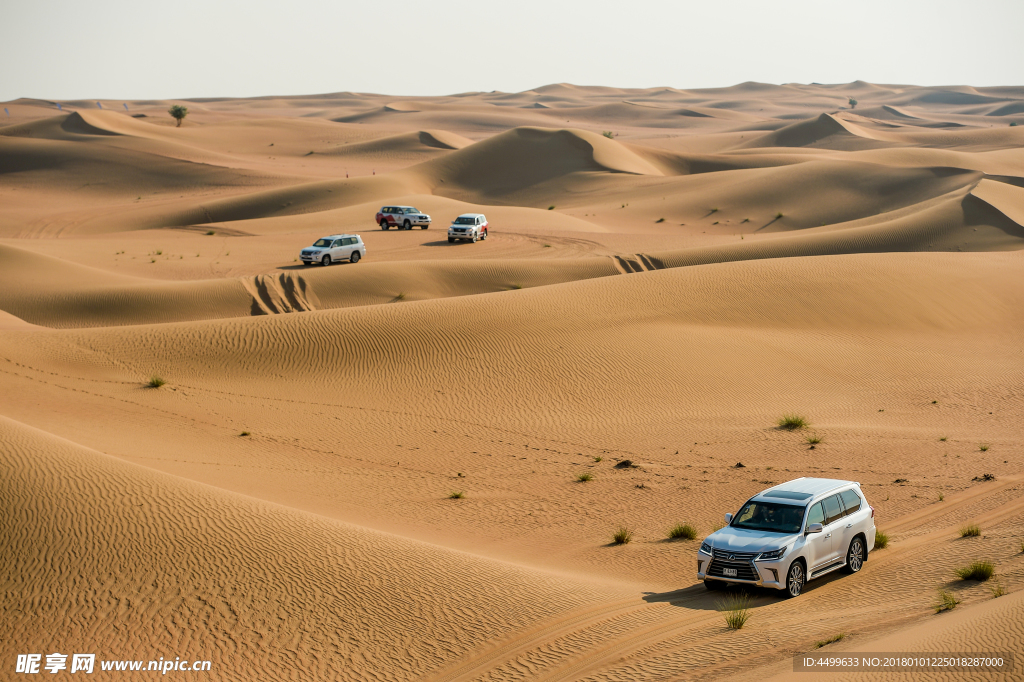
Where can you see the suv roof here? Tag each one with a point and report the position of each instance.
(802, 490)
(339, 236)
(471, 215)
(397, 206)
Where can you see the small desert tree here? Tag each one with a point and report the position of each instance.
(853, 103)
(178, 112)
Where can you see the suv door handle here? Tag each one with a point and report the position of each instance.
(829, 535)
(849, 525)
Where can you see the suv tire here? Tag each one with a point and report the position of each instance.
(855, 555)
(326, 261)
(384, 225)
(484, 235)
(474, 237)
(796, 578)
(354, 258)
(407, 225)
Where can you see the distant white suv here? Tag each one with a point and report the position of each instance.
(786, 535)
(468, 227)
(335, 248)
(402, 218)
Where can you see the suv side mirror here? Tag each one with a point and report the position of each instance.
(728, 519)
(814, 528)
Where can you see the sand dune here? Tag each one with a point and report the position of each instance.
(667, 272)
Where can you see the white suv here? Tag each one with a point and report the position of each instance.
(469, 227)
(332, 249)
(786, 535)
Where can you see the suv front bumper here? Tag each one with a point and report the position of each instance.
(759, 573)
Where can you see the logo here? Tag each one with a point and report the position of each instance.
(732, 557)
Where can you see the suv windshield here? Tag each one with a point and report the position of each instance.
(770, 517)
(323, 242)
(465, 221)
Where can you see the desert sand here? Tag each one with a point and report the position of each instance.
(668, 272)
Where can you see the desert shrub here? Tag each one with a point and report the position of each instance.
(791, 422)
(813, 440)
(584, 477)
(971, 530)
(155, 382)
(853, 103)
(984, 447)
(400, 296)
(598, 459)
(736, 609)
(779, 216)
(684, 531)
(456, 495)
(660, 220)
(997, 590)
(551, 207)
(210, 233)
(517, 286)
(829, 640)
(947, 601)
(622, 536)
(881, 539)
(178, 113)
(609, 134)
(976, 570)
(245, 433)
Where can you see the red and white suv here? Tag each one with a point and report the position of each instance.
(401, 217)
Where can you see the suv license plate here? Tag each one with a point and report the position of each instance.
(729, 572)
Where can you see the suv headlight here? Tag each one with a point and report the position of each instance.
(705, 548)
(773, 555)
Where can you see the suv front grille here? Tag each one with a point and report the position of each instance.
(741, 561)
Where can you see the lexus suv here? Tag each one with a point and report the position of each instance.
(401, 217)
(784, 536)
(468, 227)
(335, 248)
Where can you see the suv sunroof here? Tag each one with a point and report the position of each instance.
(786, 495)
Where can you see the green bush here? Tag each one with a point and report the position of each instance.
(881, 539)
(736, 609)
(830, 640)
(456, 495)
(976, 570)
(971, 530)
(791, 422)
(947, 601)
(155, 382)
(683, 531)
(584, 477)
(178, 113)
(622, 536)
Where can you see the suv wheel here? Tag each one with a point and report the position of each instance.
(326, 261)
(484, 235)
(795, 579)
(354, 258)
(384, 225)
(475, 237)
(714, 585)
(407, 225)
(451, 240)
(855, 555)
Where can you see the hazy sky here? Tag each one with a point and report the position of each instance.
(121, 49)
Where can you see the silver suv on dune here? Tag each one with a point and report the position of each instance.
(790, 534)
(337, 247)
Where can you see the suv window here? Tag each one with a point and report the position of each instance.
(338, 242)
(851, 500)
(833, 510)
(816, 515)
